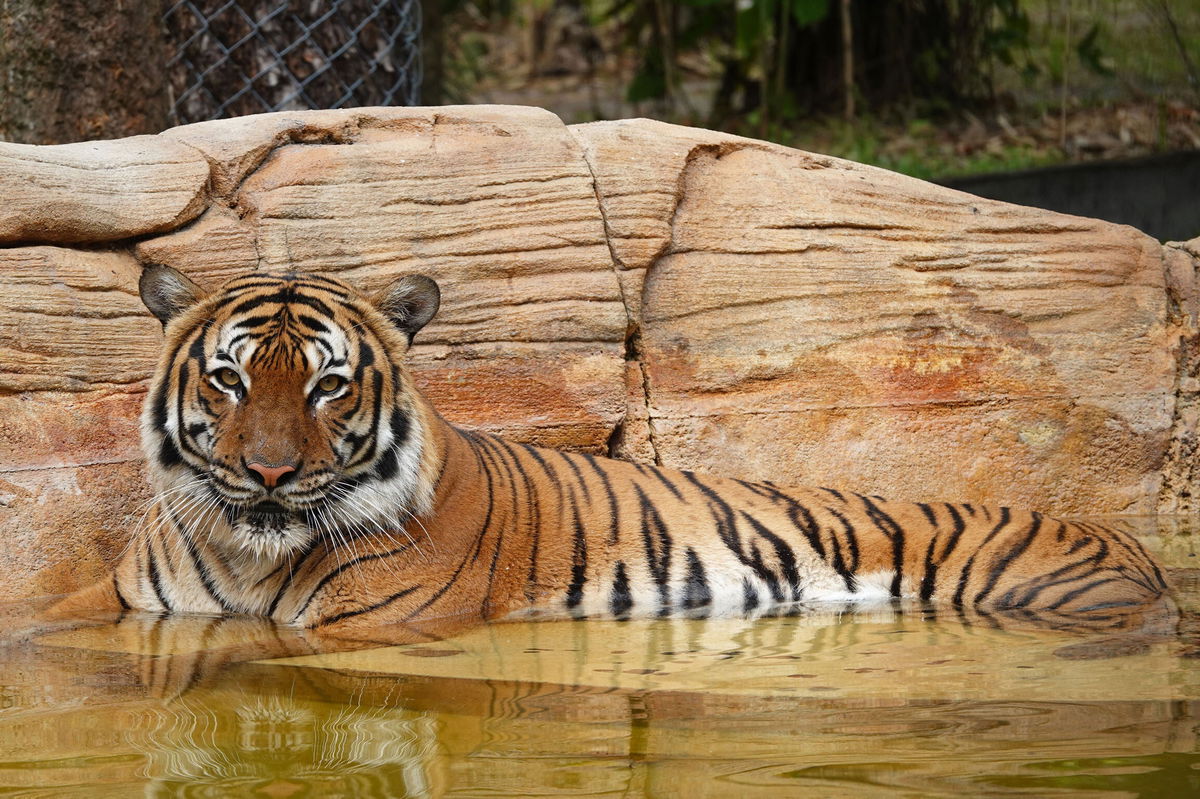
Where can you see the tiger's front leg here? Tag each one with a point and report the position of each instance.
(388, 585)
(98, 599)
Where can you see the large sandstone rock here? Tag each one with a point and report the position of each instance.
(641, 289)
(806, 319)
(101, 191)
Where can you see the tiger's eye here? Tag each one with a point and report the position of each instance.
(228, 377)
(330, 383)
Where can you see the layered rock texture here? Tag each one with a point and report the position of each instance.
(654, 292)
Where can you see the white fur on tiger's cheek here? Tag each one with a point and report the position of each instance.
(374, 505)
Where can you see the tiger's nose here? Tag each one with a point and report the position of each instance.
(271, 476)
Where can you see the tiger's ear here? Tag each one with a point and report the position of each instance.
(166, 292)
(410, 302)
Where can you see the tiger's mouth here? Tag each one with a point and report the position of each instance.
(267, 508)
(267, 516)
(270, 529)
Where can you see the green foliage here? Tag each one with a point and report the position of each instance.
(1090, 53)
(782, 59)
(649, 82)
(806, 12)
(918, 148)
(1009, 35)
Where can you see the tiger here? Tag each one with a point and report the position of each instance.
(300, 475)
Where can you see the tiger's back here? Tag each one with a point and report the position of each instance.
(699, 543)
(570, 534)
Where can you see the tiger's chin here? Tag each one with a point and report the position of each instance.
(271, 536)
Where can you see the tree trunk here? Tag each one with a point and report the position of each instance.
(74, 70)
(433, 50)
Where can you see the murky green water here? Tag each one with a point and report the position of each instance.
(883, 702)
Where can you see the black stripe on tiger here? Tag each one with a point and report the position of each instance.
(851, 546)
(468, 559)
(895, 533)
(1000, 565)
(492, 450)
(342, 567)
(965, 574)
(783, 554)
(727, 532)
(1087, 587)
(388, 463)
(1064, 575)
(932, 561)
(201, 568)
(288, 295)
(696, 593)
(366, 447)
(614, 509)
(579, 556)
(656, 540)
(347, 614)
(116, 584)
(800, 516)
(156, 579)
(531, 508)
(749, 596)
(620, 600)
(658, 475)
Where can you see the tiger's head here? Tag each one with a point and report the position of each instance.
(280, 410)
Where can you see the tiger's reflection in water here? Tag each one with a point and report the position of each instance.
(184, 652)
(204, 711)
(273, 742)
(208, 719)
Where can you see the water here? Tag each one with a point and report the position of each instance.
(883, 702)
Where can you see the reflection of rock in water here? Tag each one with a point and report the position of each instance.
(235, 741)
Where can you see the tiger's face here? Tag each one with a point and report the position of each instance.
(280, 411)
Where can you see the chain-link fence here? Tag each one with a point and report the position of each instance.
(235, 57)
